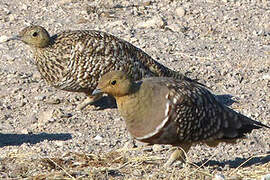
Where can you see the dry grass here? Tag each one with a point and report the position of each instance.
(119, 164)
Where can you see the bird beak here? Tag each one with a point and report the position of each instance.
(17, 37)
(5, 39)
(96, 91)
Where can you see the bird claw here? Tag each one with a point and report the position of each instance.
(89, 100)
(82, 105)
(178, 154)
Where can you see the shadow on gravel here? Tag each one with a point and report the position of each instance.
(225, 99)
(18, 139)
(243, 162)
(106, 102)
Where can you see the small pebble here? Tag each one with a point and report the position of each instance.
(180, 11)
(98, 138)
(3, 39)
(157, 148)
(40, 97)
(156, 21)
(53, 101)
(45, 116)
(25, 131)
(266, 177)
(174, 27)
(219, 177)
(59, 143)
(266, 77)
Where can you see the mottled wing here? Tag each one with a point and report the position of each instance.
(90, 54)
(200, 117)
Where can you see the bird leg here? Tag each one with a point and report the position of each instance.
(178, 154)
(89, 100)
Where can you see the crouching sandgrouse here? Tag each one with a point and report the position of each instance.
(75, 60)
(160, 110)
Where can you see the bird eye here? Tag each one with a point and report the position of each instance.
(35, 34)
(113, 82)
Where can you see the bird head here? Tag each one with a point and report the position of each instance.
(115, 83)
(35, 36)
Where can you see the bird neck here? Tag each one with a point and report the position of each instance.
(130, 103)
(126, 106)
(128, 99)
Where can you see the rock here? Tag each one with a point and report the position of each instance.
(157, 148)
(3, 39)
(12, 17)
(53, 100)
(219, 177)
(59, 143)
(180, 11)
(40, 97)
(36, 76)
(156, 21)
(45, 116)
(267, 28)
(174, 27)
(24, 7)
(266, 177)
(266, 77)
(24, 131)
(61, 2)
(98, 138)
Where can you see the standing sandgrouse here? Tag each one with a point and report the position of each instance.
(75, 60)
(162, 110)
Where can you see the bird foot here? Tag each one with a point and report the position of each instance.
(178, 154)
(89, 100)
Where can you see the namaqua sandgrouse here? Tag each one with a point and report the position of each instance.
(162, 110)
(75, 60)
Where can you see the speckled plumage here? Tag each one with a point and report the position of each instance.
(75, 60)
(161, 110)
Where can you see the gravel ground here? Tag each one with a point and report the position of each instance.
(225, 44)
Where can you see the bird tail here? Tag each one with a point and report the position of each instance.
(237, 125)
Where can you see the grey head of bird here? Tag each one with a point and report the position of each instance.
(115, 83)
(35, 36)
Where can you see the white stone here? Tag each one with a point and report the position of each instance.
(3, 39)
(266, 177)
(157, 148)
(40, 97)
(219, 177)
(174, 27)
(59, 143)
(24, 131)
(61, 2)
(24, 7)
(98, 138)
(156, 21)
(12, 17)
(266, 77)
(45, 116)
(180, 11)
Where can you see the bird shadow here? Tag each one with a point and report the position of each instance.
(106, 102)
(19, 139)
(243, 162)
(225, 99)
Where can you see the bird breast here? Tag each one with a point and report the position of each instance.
(145, 114)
